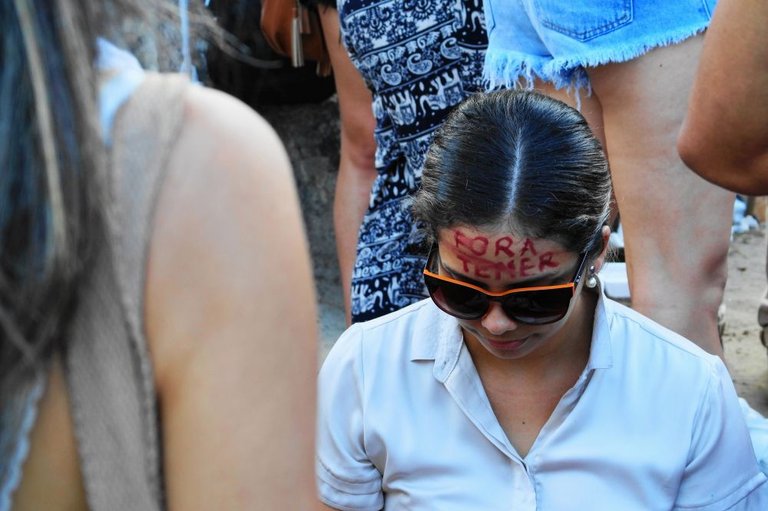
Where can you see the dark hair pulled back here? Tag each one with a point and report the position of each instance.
(520, 161)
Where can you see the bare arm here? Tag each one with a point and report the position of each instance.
(230, 317)
(725, 135)
(357, 170)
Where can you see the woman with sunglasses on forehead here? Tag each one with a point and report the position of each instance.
(519, 385)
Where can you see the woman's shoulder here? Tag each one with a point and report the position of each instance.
(227, 227)
(199, 127)
(230, 310)
(635, 337)
(225, 123)
(411, 323)
(395, 339)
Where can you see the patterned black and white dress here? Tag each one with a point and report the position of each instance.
(419, 58)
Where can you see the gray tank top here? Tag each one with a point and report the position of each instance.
(19, 411)
(106, 360)
(107, 365)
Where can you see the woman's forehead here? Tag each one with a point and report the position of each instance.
(491, 243)
(501, 257)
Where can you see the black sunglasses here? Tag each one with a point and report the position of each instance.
(537, 305)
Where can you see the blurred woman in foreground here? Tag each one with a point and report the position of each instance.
(156, 306)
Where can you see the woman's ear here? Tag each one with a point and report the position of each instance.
(605, 234)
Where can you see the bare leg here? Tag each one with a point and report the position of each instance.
(676, 225)
(590, 106)
(762, 311)
(357, 170)
(592, 111)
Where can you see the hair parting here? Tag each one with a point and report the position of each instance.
(519, 161)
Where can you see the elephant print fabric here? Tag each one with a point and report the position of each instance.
(419, 58)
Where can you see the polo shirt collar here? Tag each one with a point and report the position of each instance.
(600, 353)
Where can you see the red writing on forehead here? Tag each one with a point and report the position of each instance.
(527, 247)
(545, 261)
(477, 245)
(513, 268)
(474, 253)
(504, 245)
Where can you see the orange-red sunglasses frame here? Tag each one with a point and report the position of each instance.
(495, 296)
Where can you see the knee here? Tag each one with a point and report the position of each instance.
(712, 276)
(699, 275)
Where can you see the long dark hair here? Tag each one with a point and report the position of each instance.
(520, 160)
(52, 183)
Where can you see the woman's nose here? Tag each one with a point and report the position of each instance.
(496, 321)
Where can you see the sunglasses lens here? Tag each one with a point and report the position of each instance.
(459, 301)
(533, 307)
(538, 307)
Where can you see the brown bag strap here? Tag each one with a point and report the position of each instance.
(294, 31)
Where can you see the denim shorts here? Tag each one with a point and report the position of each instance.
(555, 40)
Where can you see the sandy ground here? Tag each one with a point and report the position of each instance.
(746, 358)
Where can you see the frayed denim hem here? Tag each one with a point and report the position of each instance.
(520, 71)
(510, 69)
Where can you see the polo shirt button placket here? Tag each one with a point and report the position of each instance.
(528, 498)
(524, 490)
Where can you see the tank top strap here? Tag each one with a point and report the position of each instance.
(107, 364)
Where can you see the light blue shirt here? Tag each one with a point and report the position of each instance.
(125, 74)
(653, 423)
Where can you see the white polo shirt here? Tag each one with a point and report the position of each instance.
(653, 423)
